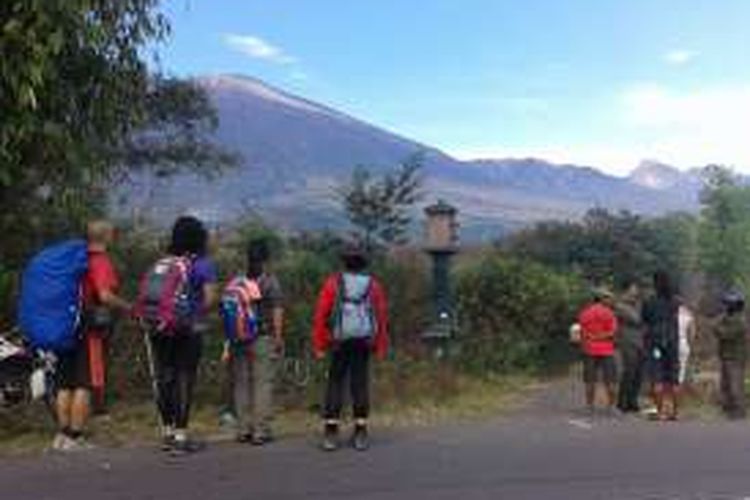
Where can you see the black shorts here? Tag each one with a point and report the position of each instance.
(72, 371)
(664, 368)
(596, 366)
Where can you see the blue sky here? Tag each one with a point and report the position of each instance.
(601, 82)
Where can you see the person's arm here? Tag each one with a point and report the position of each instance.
(380, 306)
(110, 299)
(210, 295)
(321, 337)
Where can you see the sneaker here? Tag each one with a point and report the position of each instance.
(360, 439)
(330, 438)
(245, 437)
(58, 442)
(168, 443)
(70, 445)
(187, 446)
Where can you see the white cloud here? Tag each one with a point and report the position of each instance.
(679, 57)
(690, 127)
(258, 48)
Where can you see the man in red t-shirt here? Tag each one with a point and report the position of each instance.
(82, 370)
(598, 327)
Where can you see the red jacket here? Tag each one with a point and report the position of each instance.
(322, 335)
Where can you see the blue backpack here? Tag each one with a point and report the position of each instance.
(49, 310)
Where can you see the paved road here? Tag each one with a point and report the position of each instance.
(544, 452)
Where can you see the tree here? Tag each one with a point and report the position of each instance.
(380, 208)
(724, 235)
(80, 109)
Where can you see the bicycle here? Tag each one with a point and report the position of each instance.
(26, 375)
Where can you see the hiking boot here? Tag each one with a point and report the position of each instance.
(360, 438)
(261, 438)
(330, 438)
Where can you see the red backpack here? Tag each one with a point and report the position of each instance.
(164, 302)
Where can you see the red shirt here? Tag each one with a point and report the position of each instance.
(598, 327)
(322, 335)
(100, 277)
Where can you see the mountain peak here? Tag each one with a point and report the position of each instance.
(656, 175)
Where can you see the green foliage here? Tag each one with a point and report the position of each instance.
(514, 314)
(80, 110)
(725, 229)
(380, 208)
(611, 248)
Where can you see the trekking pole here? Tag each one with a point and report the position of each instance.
(154, 382)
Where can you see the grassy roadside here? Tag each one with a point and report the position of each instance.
(422, 397)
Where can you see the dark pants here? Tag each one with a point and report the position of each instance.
(176, 364)
(631, 378)
(350, 359)
(733, 387)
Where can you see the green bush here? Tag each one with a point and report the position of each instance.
(514, 314)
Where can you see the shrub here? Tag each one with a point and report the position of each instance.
(514, 314)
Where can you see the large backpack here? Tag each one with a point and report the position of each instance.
(165, 303)
(353, 316)
(239, 310)
(49, 310)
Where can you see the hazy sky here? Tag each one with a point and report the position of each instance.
(601, 82)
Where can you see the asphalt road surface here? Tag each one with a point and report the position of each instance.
(546, 451)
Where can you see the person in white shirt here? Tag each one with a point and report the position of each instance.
(687, 332)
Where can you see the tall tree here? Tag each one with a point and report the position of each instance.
(380, 208)
(80, 108)
(725, 228)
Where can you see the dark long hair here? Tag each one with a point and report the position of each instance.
(258, 254)
(189, 237)
(664, 286)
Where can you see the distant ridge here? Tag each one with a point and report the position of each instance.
(295, 150)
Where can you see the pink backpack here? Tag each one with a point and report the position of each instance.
(165, 303)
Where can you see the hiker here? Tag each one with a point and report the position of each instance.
(731, 333)
(687, 331)
(630, 346)
(254, 326)
(351, 322)
(81, 370)
(598, 328)
(660, 317)
(175, 296)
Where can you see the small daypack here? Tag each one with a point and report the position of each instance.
(164, 301)
(239, 310)
(353, 315)
(49, 310)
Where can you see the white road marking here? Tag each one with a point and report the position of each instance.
(581, 424)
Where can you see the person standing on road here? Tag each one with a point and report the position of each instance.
(660, 317)
(688, 331)
(177, 353)
(731, 333)
(253, 366)
(630, 346)
(82, 370)
(598, 328)
(351, 321)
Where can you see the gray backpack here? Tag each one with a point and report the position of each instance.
(353, 316)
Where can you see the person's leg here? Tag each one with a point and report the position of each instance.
(360, 391)
(624, 396)
(334, 397)
(589, 380)
(165, 370)
(240, 380)
(736, 389)
(636, 382)
(188, 353)
(609, 374)
(80, 406)
(264, 377)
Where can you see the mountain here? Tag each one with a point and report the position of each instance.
(295, 151)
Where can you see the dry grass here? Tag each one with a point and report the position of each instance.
(418, 396)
